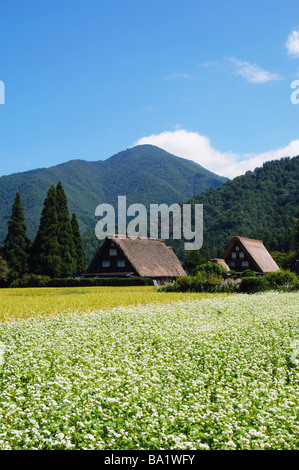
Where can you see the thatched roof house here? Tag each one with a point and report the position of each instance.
(245, 253)
(220, 262)
(128, 256)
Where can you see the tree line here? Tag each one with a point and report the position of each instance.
(57, 250)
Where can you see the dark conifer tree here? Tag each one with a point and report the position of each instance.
(16, 242)
(4, 270)
(80, 255)
(45, 258)
(65, 235)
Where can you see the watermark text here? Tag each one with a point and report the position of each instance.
(295, 94)
(162, 219)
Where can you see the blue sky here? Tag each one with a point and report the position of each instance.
(206, 80)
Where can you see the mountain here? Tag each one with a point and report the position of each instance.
(145, 174)
(261, 204)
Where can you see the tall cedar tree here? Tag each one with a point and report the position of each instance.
(66, 244)
(4, 270)
(80, 255)
(45, 258)
(16, 242)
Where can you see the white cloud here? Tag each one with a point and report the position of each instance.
(292, 44)
(174, 75)
(253, 73)
(196, 147)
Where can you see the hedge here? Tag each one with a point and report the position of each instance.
(250, 285)
(45, 281)
(281, 280)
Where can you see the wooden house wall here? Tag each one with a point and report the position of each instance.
(106, 256)
(238, 260)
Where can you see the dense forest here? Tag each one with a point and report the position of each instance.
(261, 204)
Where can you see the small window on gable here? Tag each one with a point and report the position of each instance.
(245, 264)
(121, 263)
(112, 245)
(112, 252)
(106, 264)
(237, 248)
(234, 255)
(241, 255)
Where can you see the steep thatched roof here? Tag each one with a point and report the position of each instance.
(257, 252)
(150, 257)
(221, 262)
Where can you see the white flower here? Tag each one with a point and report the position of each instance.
(203, 446)
(295, 354)
(230, 444)
(2, 351)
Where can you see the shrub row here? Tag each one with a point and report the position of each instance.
(32, 280)
(196, 284)
(282, 280)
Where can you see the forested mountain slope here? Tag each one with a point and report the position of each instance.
(261, 204)
(145, 174)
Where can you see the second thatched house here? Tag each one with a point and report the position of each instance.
(121, 256)
(245, 253)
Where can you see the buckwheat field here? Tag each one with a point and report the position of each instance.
(214, 373)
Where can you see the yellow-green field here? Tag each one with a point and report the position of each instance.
(24, 303)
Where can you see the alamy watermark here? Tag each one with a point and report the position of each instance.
(2, 92)
(295, 95)
(175, 218)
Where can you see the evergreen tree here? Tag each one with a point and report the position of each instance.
(80, 255)
(16, 242)
(195, 258)
(67, 251)
(4, 270)
(45, 258)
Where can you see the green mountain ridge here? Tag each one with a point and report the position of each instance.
(262, 204)
(145, 174)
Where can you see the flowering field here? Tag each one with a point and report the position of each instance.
(220, 373)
